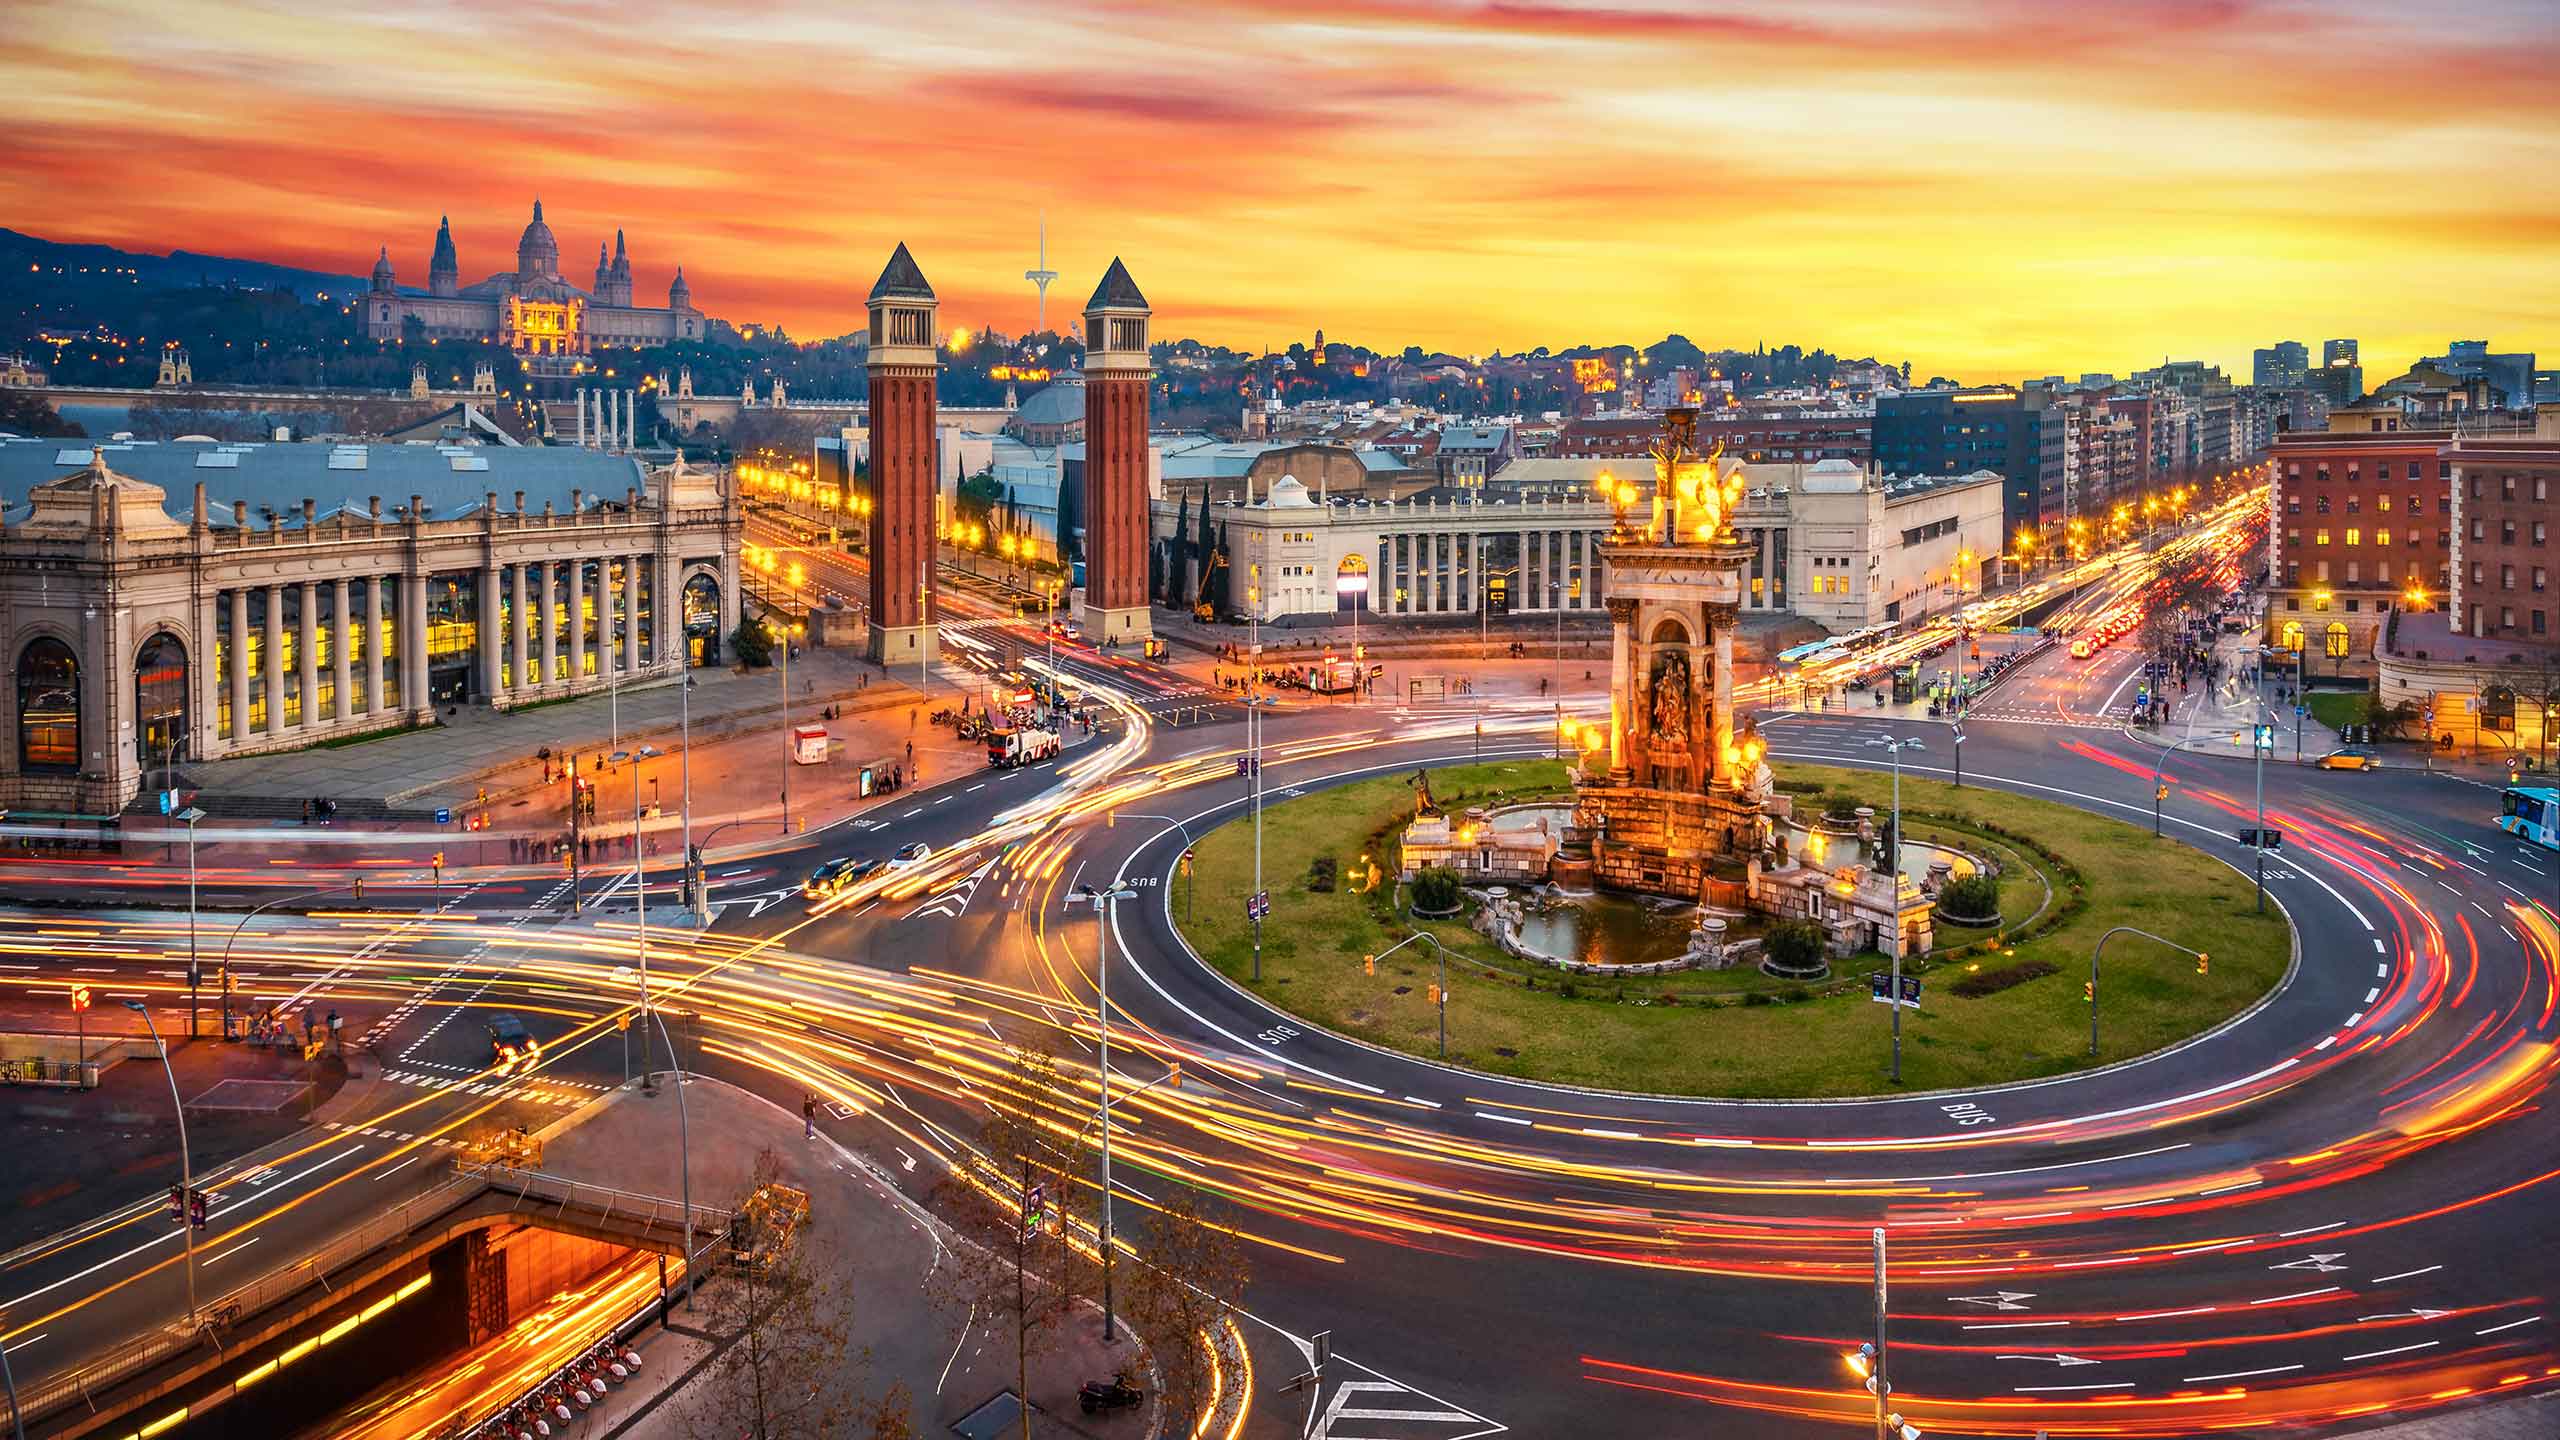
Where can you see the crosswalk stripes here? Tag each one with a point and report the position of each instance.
(564, 1094)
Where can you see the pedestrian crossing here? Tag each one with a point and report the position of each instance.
(563, 1093)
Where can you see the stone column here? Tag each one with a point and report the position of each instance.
(577, 577)
(239, 666)
(1721, 618)
(1622, 687)
(374, 700)
(519, 629)
(342, 632)
(306, 653)
(550, 623)
(485, 628)
(274, 657)
(631, 614)
(413, 646)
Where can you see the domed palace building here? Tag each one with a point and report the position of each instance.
(532, 310)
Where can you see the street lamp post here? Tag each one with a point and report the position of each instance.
(1893, 876)
(790, 750)
(1884, 1390)
(1253, 743)
(1102, 901)
(695, 901)
(2262, 739)
(186, 1164)
(194, 974)
(2094, 952)
(640, 888)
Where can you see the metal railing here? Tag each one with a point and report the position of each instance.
(651, 1213)
(143, 1351)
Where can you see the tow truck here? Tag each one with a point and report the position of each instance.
(1007, 749)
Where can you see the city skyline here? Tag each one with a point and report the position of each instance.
(1992, 196)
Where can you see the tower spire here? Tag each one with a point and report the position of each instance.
(1041, 277)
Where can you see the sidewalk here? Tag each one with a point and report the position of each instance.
(878, 1245)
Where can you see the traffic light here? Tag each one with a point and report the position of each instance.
(2202, 962)
(1435, 994)
(2160, 793)
(177, 1204)
(1369, 963)
(437, 860)
(2089, 991)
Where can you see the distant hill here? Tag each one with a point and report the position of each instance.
(177, 270)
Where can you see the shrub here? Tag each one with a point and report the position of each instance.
(1757, 997)
(1992, 982)
(1794, 944)
(1435, 889)
(1320, 875)
(1795, 994)
(1972, 897)
(1842, 804)
(750, 644)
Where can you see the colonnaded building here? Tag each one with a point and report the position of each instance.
(531, 310)
(304, 593)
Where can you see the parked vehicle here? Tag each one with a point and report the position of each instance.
(1115, 1393)
(1008, 749)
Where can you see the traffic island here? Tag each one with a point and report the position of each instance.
(1998, 1004)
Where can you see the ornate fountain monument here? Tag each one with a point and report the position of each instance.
(1685, 803)
(1681, 805)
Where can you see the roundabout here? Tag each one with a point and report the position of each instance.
(2001, 1003)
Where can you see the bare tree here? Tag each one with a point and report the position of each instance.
(784, 1371)
(1194, 1276)
(1022, 1261)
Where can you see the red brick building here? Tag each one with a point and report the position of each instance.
(2362, 521)
(1116, 377)
(2506, 556)
(903, 370)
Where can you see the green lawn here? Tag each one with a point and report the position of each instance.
(2334, 708)
(1691, 1033)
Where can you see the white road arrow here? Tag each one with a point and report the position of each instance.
(2322, 1263)
(2003, 1300)
(2064, 1361)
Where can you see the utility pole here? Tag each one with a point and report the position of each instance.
(1893, 877)
(790, 749)
(1883, 1388)
(194, 975)
(1102, 901)
(2263, 740)
(1253, 740)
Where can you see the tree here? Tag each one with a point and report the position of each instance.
(1795, 945)
(786, 1370)
(1195, 1274)
(1178, 564)
(1435, 889)
(24, 412)
(1017, 1204)
(750, 643)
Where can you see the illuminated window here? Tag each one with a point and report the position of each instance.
(2382, 536)
(2320, 536)
(2354, 535)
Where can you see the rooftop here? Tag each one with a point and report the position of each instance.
(453, 480)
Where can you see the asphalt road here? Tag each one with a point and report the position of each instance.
(2331, 1212)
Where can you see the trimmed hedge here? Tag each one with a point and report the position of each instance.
(1992, 982)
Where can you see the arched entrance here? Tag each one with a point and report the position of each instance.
(160, 703)
(701, 619)
(48, 708)
(2291, 636)
(1351, 583)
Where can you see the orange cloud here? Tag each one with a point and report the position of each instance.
(1995, 188)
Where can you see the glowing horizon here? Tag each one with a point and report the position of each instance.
(1990, 188)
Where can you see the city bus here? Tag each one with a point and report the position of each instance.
(2531, 812)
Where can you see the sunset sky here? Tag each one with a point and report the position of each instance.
(1992, 189)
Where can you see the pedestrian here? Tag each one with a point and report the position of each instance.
(808, 1117)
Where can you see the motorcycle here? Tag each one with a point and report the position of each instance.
(1115, 1393)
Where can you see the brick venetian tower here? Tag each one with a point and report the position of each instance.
(1116, 531)
(903, 368)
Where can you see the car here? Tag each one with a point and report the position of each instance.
(914, 853)
(510, 1042)
(2347, 760)
(836, 874)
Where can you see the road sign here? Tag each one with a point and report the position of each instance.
(79, 998)
(444, 817)
(2266, 737)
